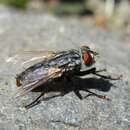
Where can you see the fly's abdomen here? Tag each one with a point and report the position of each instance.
(32, 74)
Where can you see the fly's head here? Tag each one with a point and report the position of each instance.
(88, 55)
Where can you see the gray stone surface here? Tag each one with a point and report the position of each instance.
(29, 31)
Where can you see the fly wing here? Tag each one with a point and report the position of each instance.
(51, 74)
(22, 60)
(29, 56)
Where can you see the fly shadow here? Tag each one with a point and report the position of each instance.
(76, 85)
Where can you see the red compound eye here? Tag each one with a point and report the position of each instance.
(88, 59)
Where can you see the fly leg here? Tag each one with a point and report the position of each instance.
(97, 95)
(65, 89)
(107, 77)
(95, 72)
(76, 91)
(86, 72)
(35, 102)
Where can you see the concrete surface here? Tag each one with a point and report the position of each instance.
(20, 31)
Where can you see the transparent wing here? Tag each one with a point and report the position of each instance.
(52, 73)
(22, 60)
(29, 56)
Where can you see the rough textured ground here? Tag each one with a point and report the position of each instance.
(27, 31)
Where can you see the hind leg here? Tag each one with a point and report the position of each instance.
(35, 102)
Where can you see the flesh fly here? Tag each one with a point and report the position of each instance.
(57, 65)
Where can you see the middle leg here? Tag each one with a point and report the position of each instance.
(74, 89)
(97, 95)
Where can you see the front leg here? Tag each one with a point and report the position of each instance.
(106, 77)
(86, 72)
(95, 72)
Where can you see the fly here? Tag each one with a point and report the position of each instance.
(64, 64)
